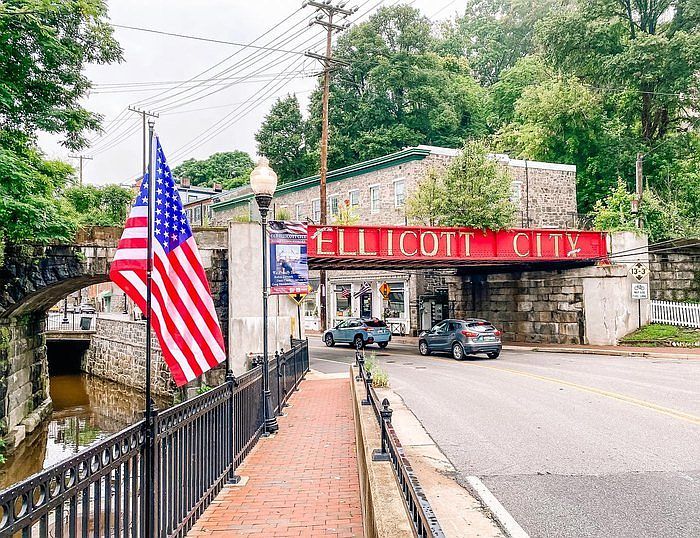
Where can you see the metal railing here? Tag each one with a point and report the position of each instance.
(197, 446)
(73, 322)
(423, 519)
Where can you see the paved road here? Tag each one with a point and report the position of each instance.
(572, 445)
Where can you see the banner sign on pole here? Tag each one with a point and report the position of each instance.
(289, 269)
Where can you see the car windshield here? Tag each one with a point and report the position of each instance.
(374, 323)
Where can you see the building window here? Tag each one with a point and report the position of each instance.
(299, 211)
(198, 215)
(399, 192)
(395, 305)
(354, 197)
(516, 192)
(374, 199)
(342, 301)
(316, 210)
(333, 205)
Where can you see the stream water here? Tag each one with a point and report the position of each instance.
(86, 409)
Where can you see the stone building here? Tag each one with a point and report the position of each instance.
(376, 190)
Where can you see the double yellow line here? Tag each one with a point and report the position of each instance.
(693, 419)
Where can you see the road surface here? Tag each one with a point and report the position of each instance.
(572, 445)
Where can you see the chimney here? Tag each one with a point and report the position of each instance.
(185, 182)
(218, 187)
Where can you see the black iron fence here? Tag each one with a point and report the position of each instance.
(425, 524)
(197, 446)
(72, 322)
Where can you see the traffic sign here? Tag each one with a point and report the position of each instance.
(639, 271)
(640, 290)
(385, 290)
(298, 298)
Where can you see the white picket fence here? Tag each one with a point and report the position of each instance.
(672, 313)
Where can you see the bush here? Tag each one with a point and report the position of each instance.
(380, 378)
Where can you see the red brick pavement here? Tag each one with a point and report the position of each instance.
(303, 481)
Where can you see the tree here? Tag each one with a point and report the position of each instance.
(282, 139)
(474, 192)
(100, 206)
(510, 86)
(648, 53)
(396, 91)
(660, 219)
(44, 47)
(563, 121)
(230, 168)
(493, 34)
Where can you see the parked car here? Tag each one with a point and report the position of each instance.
(462, 337)
(86, 308)
(358, 332)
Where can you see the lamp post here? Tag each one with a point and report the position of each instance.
(263, 181)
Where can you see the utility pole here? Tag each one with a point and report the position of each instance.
(81, 158)
(144, 114)
(325, 13)
(639, 187)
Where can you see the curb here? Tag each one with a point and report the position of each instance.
(609, 352)
(507, 522)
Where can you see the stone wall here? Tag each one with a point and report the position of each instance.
(590, 305)
(24, 387)
(544, 191)
(539, 307)
(118, 352)
(675, 275)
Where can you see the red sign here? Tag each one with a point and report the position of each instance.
(453, 244)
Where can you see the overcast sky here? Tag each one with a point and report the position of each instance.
(187, 112)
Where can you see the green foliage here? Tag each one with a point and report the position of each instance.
(31, 208)
(100, 206)
(346, 215)
(42, 56)
(474, 192)
(283, 214)
(282, 139)
(660, 219)
(656, 334)
(230, 168)
(494, 34)
(511, 84)
(203, 388)
(44, 47)
(380, 378)
(396, 91)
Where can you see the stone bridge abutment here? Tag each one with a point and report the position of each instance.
(34, 278)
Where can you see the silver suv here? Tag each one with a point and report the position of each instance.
(462, 337)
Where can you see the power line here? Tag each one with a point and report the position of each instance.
(198, 38)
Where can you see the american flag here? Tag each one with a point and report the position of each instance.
(183, 314)
(365, 288)
(345, 293)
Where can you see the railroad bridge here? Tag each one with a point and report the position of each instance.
(34, 278)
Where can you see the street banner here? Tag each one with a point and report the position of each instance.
(289, 269)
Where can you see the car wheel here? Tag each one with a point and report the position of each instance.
(358, 342)
(493, 354)
(383, 344)
(423, 348)
(457, 351)
(329, 340)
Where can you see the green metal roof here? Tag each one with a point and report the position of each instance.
(386, 161)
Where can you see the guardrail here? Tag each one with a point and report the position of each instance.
(73, 322)
(423, 519)
(197, 446)
(673, 313)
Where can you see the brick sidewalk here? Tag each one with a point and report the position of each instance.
(302, 481)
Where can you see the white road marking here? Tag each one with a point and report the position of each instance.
(500, 514)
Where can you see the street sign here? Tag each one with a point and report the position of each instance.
(385, 290)
(639, 271)
(298, 298)
(640, 290)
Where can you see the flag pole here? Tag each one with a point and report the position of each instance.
(149, 467)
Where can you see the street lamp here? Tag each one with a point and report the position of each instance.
(263, 181)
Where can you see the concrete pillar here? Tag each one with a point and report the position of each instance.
(245, 300)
